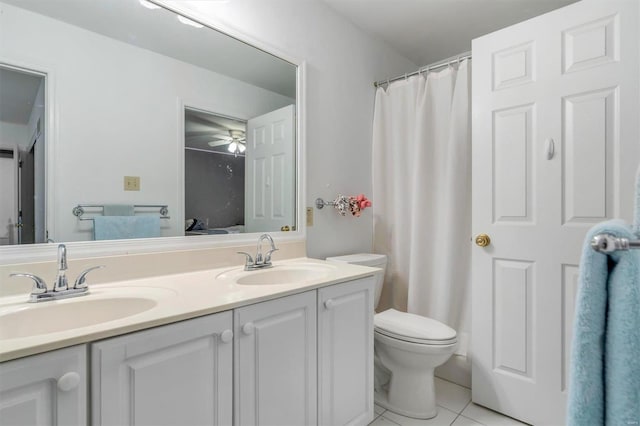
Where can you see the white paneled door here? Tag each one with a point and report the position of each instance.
(555, 149)
(270, 177)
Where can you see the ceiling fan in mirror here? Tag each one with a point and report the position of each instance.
(236, 140)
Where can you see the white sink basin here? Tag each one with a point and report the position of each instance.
(33, 319)
(279, 274)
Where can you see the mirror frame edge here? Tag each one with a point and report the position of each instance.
(91, 249)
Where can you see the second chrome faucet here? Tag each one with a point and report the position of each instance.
(260, 261)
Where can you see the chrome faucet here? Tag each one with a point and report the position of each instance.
(261, 261)
(60, 290)
(61, 284)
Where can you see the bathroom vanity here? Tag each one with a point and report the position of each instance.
(216, 347)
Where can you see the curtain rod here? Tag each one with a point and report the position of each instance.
(445, 62)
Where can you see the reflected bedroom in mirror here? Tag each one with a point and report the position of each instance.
(125, 120)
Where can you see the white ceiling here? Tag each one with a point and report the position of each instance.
(202, 127)
(18, 92)
(427, 31)
(159, 31)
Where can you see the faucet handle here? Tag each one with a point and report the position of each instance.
(39, 286)
(81, 280)
(267, 257)
(249, 259)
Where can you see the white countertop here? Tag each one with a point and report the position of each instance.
(178, 297)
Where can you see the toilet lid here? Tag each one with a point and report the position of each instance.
(413, 327)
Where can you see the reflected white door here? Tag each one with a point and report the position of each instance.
(9, 191)
(555, 148)
(270, 171)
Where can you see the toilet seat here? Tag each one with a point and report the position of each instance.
(413, 328)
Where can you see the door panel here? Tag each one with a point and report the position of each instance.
(178, 374)
(345, 353)
(275, 362)
(555, 131)
(270, 155)
(29, 392)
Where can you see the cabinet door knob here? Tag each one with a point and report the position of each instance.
(329, 304)
(248, 328)
(226, 336)
(68, 381)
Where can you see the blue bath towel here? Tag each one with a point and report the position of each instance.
(604, 385)
(125, 227)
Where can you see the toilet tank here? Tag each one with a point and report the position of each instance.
(366, 259)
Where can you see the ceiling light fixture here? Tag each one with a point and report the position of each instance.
(236, 148)
(148, 4)
(188, 21)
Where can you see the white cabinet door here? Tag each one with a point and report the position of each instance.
(345, 353)
(275, 362)
(46, 389)
(555, 149)
(178, 374)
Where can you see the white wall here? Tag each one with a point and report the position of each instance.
(117, 114)
(342, 63)
(12, 134)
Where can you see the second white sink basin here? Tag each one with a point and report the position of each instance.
(33, 319)
(279, 274)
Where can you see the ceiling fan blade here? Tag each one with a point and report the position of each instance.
(204, 139)
(202, 133)
(218, 143)
(209, 123)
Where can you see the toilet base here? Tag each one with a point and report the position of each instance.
(407, 386)
(381, 398)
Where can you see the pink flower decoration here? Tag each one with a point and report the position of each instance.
(357, 204)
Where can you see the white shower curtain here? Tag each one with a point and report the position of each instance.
(422, 195)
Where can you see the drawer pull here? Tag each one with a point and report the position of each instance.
(329, 304)
(248, 328)
(69, 381)
(226, 336)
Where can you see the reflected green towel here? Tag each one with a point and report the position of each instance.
(636, 216)
(604, 385)
(118, 210)
(125, 227)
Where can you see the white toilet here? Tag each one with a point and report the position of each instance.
(408, 348)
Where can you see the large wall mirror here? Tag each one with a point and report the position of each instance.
(122, 119)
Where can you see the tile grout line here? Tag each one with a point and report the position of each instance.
(377, 416)
(454, 383)
(460, 413)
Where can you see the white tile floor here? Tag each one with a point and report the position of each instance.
(454, 408)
